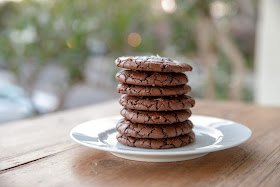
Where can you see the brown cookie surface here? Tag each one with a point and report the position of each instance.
(181, 102)
(149, 117)
(139, 130)
(152, 63)
(161, 143)
(148, 78)
(152, 90)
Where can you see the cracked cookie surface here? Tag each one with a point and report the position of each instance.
(152, 90)
(161, 143)
(147, 78)
(181, 102)
(139, 130)
(149, 117)
(152, 63)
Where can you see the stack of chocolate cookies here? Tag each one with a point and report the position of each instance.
(156, 107)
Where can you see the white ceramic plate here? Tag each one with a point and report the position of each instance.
(212, 134)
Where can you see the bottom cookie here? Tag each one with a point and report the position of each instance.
(162, 143)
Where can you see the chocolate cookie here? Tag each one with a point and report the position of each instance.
(181, 102)
(148, 117)
(153, 90)
(147, 78)
(152, 63)
(162, 143)
(139, 130)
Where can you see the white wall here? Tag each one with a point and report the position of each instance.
(267, 83)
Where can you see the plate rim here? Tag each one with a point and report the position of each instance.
(171, 153)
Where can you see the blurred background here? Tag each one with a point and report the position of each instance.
(59, 54)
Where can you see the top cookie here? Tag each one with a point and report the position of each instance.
(152, 63)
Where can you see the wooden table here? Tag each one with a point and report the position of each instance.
(39, 152)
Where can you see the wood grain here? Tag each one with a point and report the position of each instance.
(40, 152)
